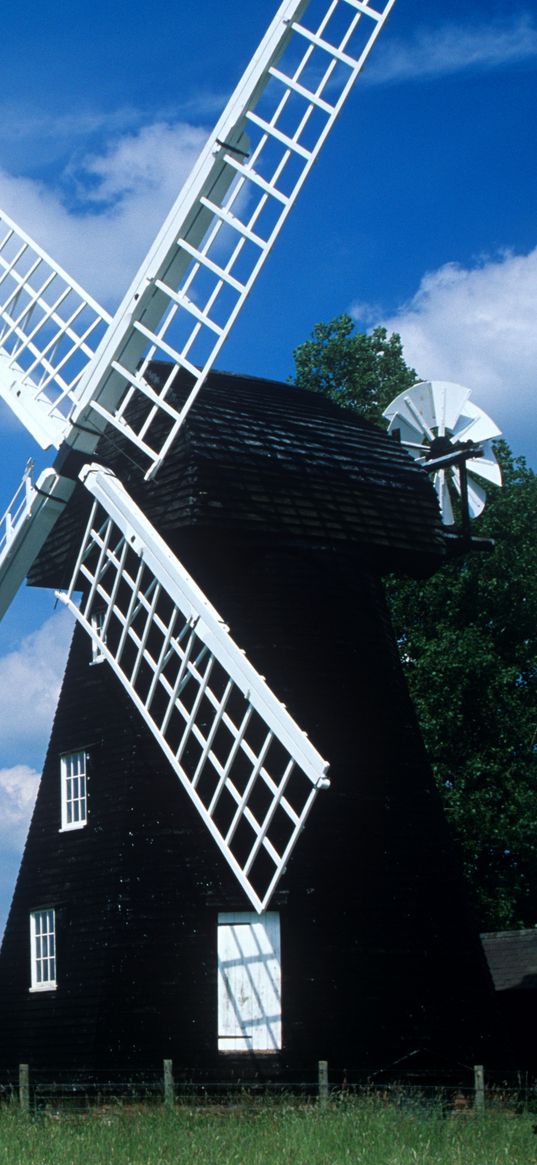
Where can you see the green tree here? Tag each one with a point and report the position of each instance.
(356, 370)
(468, 639)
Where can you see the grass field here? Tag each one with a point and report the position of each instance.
(354, 1133)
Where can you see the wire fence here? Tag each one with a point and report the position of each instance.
(448, 1090)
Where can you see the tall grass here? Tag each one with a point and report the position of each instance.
(355, 1133)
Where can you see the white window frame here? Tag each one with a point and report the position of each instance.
(74, 790)
(249, 982)
(43, 965)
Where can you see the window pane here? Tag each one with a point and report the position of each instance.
(43, 947)
(74, 794)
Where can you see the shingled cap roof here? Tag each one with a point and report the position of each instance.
(257, 460)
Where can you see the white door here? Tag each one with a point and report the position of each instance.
(249, 982)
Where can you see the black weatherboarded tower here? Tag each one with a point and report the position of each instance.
(129, 938)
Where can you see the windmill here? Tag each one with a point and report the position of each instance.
(68, 372)
(106, 392)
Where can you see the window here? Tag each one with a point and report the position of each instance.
(74, 792)
(249, 983)
(43, 950)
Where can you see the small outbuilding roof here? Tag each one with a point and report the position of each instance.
(512, 958)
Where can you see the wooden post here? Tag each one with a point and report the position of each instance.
(169, 1090)
(479, 1088)
(323, 1083)
(24, 1087)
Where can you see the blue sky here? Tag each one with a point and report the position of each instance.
(419, 215)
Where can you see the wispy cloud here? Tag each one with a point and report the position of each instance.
(452, 48)
(99, 220)
(24, 122)
(18, 789)
(30, 135)
(30, 680)
(138, 161)
(476, 326)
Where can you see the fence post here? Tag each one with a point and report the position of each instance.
(323, 1083)
(479, 1088)
(169, 1091)
(24, 1087)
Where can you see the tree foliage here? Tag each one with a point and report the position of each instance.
(356, 370)
(468, 640)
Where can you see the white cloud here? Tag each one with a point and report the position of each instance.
(453, 48)
(30, 680)
(100, 221)
(31, 135)
(477, 326)
(141, 161)
(51, 134)
(18, 790)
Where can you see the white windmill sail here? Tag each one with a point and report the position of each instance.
(70, 373)
(25, 526)
(49, 331)
(204, 261)
(249, 769)
(209, 252)
(64, 365)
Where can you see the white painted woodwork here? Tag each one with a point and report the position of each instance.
(74, 794)
(25, 526)
(249, 982)
(43, 950)
(49, 331)
(67, 370)
(205, 259)
(439, 408)
(251, 772)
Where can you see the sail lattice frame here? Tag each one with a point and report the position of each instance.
(220, 232)
(250, 771)
(25, 526)
(203, 264)
(50, 329)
